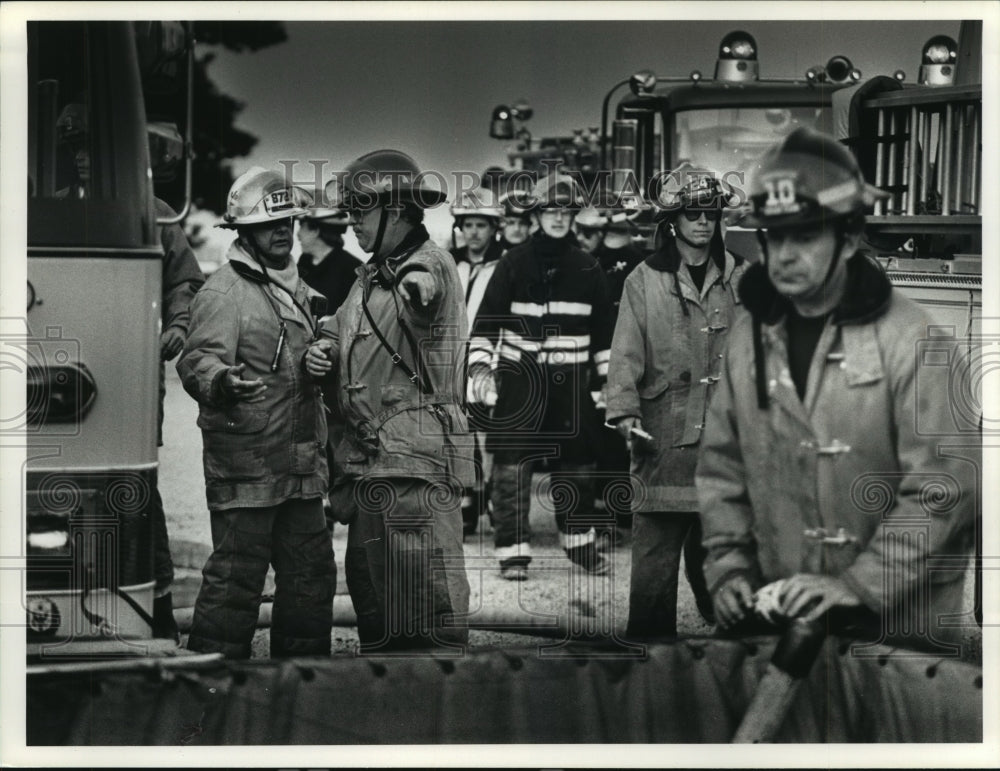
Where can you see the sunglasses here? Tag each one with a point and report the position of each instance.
(589, 232)
(693, 215)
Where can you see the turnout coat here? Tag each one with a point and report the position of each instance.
(547, 314)
(255, 453)
(393, 427)
(664, 367)
(869, 477)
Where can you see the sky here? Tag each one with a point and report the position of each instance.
(337, 89)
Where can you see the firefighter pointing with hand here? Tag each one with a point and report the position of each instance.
(824, 404)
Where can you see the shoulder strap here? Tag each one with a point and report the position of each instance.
(420, 380)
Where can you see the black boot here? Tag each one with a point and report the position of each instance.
(164, 625)
(588, 558)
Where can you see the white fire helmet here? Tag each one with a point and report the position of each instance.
(261, 195)
(480, 202)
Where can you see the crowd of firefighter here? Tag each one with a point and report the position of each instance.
(683, 400)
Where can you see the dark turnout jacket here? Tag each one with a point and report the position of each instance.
(548, 315)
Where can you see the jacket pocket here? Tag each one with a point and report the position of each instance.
(240, 420)
(233, 449)
(412, 441)
(654, 389)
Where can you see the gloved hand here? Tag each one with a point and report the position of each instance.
(481, 388)
(767, 602)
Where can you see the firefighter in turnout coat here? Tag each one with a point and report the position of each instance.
(397, 350)
(477, 215)
(547, 314)
(673, 321)
(833, 472)
(264, 434)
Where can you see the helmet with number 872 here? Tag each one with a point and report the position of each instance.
(261, 195)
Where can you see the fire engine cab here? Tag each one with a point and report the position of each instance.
(921, 142)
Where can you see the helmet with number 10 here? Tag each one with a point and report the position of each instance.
(808, 178)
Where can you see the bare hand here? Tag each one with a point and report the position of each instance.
(318, 357)
(171, 342)
(625, 425)
(418, 285)
(733, 601)
(636, 437)
(810, 595)
(242, 390)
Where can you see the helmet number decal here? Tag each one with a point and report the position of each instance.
(278, 201)
(781, 198)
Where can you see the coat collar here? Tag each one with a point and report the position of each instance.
(244, 264)
(493, 253)
(866, 297)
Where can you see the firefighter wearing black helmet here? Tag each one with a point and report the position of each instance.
(831, 425)
(397, 349)
(546, 315)
(676, 311)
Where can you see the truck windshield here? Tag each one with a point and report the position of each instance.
(731, 139)
(88, 164)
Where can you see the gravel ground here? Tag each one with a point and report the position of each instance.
(597, 605)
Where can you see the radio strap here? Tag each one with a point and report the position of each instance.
(420, 380)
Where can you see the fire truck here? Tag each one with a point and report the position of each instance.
(91, 332)
(921, 142)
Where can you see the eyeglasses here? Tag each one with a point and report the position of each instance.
(589, 232)
(693, 215)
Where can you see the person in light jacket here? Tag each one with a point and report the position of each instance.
(836, 472)
(264, 435)
(396, 351)
(675, 314)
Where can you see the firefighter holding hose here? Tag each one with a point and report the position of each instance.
(831, 472)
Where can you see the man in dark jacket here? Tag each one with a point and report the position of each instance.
(547, 315)
(617, 255)
(182, 278)
(324, 264)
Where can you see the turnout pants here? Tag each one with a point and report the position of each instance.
(293, 537)
(657, 542)
(405, 566)
(571, 489)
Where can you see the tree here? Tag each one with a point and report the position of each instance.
(216, 140)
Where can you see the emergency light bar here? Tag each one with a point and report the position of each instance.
(737, 57)
(937, 62)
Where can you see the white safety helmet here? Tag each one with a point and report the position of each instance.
(480, 202)
(591, 217)
(260, 195)
(324, 211)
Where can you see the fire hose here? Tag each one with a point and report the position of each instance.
(789, 666)
(561, 626)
